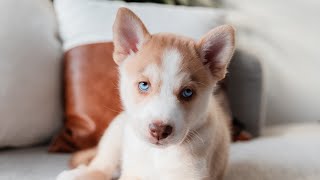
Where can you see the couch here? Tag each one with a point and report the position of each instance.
(31, 100)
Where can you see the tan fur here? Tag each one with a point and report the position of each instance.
(220, 70)
(120, 53)
(93, 175)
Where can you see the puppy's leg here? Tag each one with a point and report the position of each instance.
(81, 173)
(83, 157)
(109, 152)
(107, 160)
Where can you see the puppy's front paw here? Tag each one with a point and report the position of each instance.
(83, 173)
(73, 174)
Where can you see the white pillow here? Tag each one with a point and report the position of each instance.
(285, 36)
(90, 21)
(30, 72)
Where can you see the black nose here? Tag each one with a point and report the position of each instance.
(159, 130)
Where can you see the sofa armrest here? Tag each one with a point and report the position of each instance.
(245, 91)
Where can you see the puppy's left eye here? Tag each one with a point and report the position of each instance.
(143, 86)
(186, 93)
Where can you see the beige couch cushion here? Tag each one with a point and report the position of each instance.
(30, 71)
(284, 35)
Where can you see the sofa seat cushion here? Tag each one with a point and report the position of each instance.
(288, 153)
(276, 158)
(31, 164)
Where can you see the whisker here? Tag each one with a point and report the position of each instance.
(198, 136)
(189, 142)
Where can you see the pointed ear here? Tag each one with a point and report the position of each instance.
(129, 33)
(216, 50)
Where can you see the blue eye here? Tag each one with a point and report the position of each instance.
(187, 93)
(143, 86)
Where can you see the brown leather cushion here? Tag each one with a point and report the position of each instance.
(91, 96)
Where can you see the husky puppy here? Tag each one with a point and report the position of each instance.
(172, 127)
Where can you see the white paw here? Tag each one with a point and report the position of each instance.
(72, 174)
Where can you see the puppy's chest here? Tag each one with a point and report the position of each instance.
(155, 163)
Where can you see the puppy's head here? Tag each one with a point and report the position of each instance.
(166, 80)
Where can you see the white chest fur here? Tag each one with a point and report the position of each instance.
(151, 162)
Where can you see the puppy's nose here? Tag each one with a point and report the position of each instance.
(159, 131)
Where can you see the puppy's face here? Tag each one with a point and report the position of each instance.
(165, 83)
(166, 80)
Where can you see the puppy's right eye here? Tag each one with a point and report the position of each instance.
(186, 94)
(143, 86)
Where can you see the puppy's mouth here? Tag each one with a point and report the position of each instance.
(158, 143)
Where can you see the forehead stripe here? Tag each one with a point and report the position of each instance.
(171, 64)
